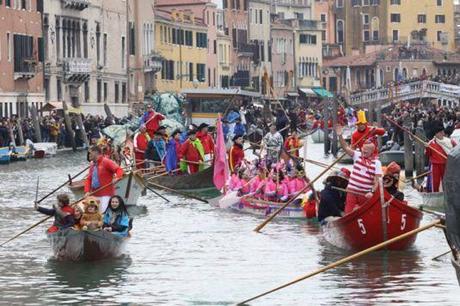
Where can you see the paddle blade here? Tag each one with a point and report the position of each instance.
(230, 199)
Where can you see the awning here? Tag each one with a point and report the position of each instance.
(323, 93)
(308, 92)
(292, 94)
(50, 106)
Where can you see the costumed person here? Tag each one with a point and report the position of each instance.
(364, 132)
(269, 188)
(239, 128)
(437, 150)
(172, 152)
(151, 120)
(62, 212)
(332, 201)
(101, 174)
(236, 153)
(116, 217)
(156, 150)
(293, 144)
(364, 178)
(79, 210)
(191, 154)
(208, 143)
(282, 187)
(297, 181)
(141, 140)
(391, 180)
(92, 218)
(273, 142)
(257, 183)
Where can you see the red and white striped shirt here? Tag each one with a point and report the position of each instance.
(363, 173)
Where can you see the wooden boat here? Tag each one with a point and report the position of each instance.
(5, 157)
(432, 199)
(22, 154)
(129, 188)
(75, 245)
(200, 181)
(49, 148)
(318, 136)
(363, 228)
(387, 157)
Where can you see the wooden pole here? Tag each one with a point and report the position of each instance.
(408, 150)
(68, 126)
(346, 259)
(82, 129)
(36, 123)
(384, 210)
(108, 113)
(419, 151)
(184, 194)
(10, 130)
(379, 123)
(334, 147)
(327, 141)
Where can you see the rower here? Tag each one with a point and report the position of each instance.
(273, 141)
(152, 120)
(62, 212)
(141, 140)
(293, 143)
(101, 173)
(364, 178)
(236, 153)
(364, 132)
(391, 180)
(332, 201)
(191, 154)
(206, 140)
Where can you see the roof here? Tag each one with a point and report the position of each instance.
(220, 91)
(165, 15)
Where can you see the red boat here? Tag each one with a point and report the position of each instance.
(362, 228)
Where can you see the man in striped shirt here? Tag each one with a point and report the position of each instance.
(365, 174)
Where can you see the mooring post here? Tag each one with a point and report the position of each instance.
(408, 149)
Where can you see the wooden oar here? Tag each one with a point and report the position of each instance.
(185, 194)
(318, 163)
(62, 185)
(349, 191)
(443, 254)
(43, 220)
(158, 194)
(196, 163)
(346, 259)
(417, 177)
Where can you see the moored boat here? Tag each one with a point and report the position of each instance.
(49, 149)
(5, 157)
(318, 136)
(200, 181)
(76, 245)
(432, 199)
(387, 157)
(363, 227)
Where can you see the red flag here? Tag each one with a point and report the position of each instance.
(220, 158)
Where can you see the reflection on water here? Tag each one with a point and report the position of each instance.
(190, 253)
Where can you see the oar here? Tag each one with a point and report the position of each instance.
(346, 259)
(43, 220)
(194, 162)
(443, 254)
(187, 195)
(436, 213)
(417, 177)
(262, 225)
(349, 191)
(62, 185)
(318, 163)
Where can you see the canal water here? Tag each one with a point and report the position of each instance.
(189, 253)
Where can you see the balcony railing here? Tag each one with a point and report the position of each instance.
(24, 69)
(79, 5)
(247, 49)
(76, 69)
(152, 62)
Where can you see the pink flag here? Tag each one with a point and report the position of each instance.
(220, 158)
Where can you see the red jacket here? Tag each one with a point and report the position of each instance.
(189, 152)
(432, 152)
(141, 141)
(370, 132)
(106, 170)
(292, 145)
(206, 141)
(235, 156)
(152, 121)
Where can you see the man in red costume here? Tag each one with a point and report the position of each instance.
(437, 151)
(364, 132)
(236, 153)
(191, 154)
(293, 143)
(101, 173)
(141, 140)
(206, 140)
(152, 120)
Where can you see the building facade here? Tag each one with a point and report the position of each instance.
(91, 49)
(182, 42)
(21, 57)
(283, 58)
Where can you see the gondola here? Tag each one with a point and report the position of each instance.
(5, 157)
(363, 228)
(386, 157)
(76, 245)
(200, 181)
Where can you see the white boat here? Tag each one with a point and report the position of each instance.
(432, 199)
(318, 136)
(49, 148)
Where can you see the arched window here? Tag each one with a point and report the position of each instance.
(340, 31)
(395, 76)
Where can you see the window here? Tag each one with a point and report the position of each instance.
(439, 2)
(260, 17)
(59, 89)
(395, 17)
(167, 70)
(9, 46)
(98, 43)
(323, 36)
(105, 49)
(202, 40)
(106, 91)
(23, 53)
(355, 2)
(188, 38)
(190, 73)
(86, 97)
(123, 51)
(375, 2)
(8, 3)
(99, 91)
(201, 72)
(117, 94)
(132, 39)
(215, 46)
(323, 18)
(421, 18)
(299, 16)
(123, 93)
(375, 35)
(439, 35)
(365, 19)
(340, 31)
(366, 35)
(47, 89)
(365, 2)
(307, 39)
(395, 2)
(339, 3)
(395, 35)
(440, 19)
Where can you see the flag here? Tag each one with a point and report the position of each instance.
(220, 158)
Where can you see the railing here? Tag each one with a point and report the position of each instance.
(407, 91)
(76, 70)
(152, 62)
(24, 69)
(76, 4)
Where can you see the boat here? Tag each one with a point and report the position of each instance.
(432, 199)
(45, 149)
(318, 136)
(22, 153)
(5, 157)
(451, 184)
(386, 157)
(129, 188)
(200, 181)
(362, 228)
(76, 245)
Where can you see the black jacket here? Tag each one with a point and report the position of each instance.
(332, 203)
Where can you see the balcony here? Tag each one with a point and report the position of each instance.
(25, 69)
(152, 62)
(245, 50)
(76, 70)
(79, 5)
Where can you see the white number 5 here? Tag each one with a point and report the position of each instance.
(361, 226)
(403, 221)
